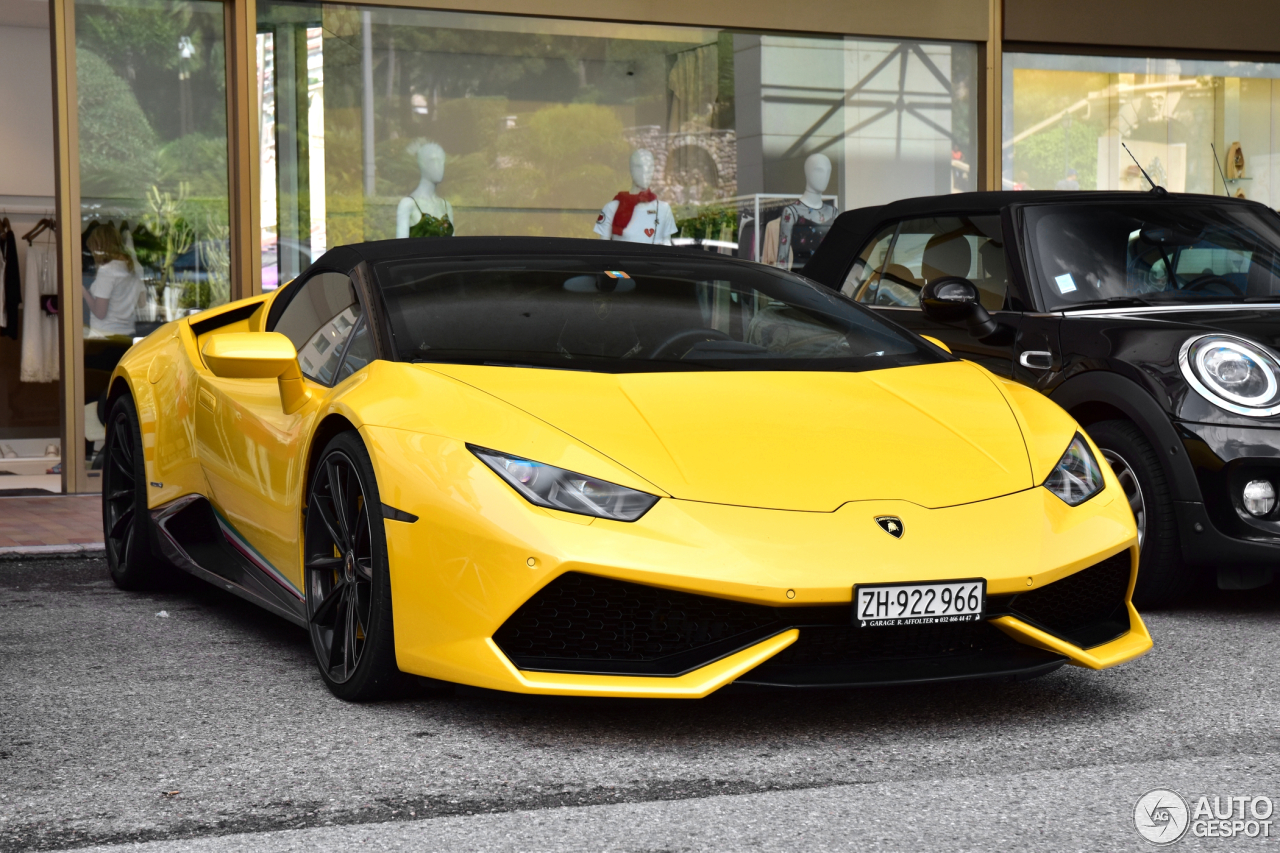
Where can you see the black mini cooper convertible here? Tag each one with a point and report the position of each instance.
(1153, 318)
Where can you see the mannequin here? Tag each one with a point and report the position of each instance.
(805, 223)
(638, 216)
(422, 213)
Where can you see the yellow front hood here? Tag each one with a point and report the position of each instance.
(936, 435)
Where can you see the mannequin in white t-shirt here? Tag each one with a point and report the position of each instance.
(417, 212)
(638, 216)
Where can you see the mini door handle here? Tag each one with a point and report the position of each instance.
(1034, 359)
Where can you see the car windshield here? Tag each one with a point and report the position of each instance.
(632, 314)
(1156, 252)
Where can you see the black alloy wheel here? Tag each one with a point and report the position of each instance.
(127, 529)
(348, 584)
(1164, 579)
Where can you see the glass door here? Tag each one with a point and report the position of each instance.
(153, 228)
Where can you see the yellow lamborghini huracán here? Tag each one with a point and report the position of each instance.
(586, 468)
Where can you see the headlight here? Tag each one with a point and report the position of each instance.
(1076, 477)
(555, 488)
(1233, 374)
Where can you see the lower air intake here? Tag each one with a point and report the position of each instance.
(587, 624)
(1086, 608)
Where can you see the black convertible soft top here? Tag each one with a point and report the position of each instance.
(345, 257)
(851, 229)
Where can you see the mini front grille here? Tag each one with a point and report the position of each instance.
(585, 623)
(1086, 608)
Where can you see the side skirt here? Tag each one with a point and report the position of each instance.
(197, 540)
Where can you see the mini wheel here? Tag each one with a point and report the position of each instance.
(1163, 578)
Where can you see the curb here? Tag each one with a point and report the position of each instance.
(86, 551)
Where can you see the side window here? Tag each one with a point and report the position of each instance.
(921, 250)
(868, 264)
(359, 352)
(319, 319)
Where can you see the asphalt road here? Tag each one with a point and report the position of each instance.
(209, 729)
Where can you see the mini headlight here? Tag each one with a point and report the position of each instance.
(1076, 477)
(1233, 373)
(555, 488)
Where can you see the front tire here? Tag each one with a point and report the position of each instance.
(348, 581)
(1164, 579)
(127, 531)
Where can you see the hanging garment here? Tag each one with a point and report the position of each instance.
(769, 243)
(431, 226)
(803, 228)
(12, 279)
(39, 329)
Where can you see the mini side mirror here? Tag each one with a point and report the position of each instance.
(955, 300)
(259, 355)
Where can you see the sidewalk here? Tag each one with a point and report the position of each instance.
(56, 524)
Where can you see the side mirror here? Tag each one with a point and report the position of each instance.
(259, 355)
(954, 300)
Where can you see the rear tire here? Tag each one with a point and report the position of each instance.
(348, 579)
(1163, 578)
(127, 531)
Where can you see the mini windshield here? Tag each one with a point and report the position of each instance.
(639, 314)
(1153, 252)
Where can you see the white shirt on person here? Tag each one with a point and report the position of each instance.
(651, 222)
(120, 286)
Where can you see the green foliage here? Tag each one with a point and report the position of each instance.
(708, 223)
(117, 145)
(567, 155)
(199, 161)
(139, 41)
(174, 234)
(1047, 155)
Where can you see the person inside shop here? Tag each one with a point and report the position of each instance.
(112, 299)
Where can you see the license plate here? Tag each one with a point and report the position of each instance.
(889, 604)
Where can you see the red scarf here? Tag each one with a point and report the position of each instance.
(626, 206)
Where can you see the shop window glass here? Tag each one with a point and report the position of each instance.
(381, 122)
(1066, 119)
(154, 227)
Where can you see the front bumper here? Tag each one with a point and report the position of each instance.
(1219, 531)
(479, 552)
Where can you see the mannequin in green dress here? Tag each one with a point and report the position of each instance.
(422, 213)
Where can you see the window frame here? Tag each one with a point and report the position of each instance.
(291, 291)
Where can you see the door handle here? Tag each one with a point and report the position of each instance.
(1034, 359)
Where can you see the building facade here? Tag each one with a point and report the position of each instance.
(198, 151)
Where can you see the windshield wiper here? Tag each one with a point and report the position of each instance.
(1109, 302)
